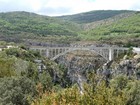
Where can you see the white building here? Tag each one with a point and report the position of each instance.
(10, 46)
(136, 50)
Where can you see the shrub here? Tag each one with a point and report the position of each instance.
(16, 91)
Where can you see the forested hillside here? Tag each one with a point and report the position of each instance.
(94, 26)
(80, 77)
(16, 23)
(125, 29)
(93, 16)
(27, 78)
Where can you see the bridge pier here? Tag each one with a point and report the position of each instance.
(117, 53)
(51, 53)
(111, 54)
(55, 52)
(47, 52)
(107, 53)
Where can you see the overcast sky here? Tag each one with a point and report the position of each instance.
(66, 7)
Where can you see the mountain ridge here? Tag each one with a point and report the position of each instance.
(21, 25)
(91, 16)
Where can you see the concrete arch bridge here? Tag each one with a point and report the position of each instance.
(107, 53)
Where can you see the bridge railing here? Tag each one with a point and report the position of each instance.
(106, 52)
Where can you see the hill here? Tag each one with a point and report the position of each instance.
(29, 24)
(119, 26)
(93, 16)
(125, 30)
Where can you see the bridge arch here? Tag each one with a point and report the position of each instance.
(108, 53)
(71, 50)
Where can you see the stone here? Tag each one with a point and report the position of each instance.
(125, 57)
(138, 66)
(137, 58)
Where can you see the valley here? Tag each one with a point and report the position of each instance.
(90, 58)
(95, 26)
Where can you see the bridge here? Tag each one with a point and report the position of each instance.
(107, 52)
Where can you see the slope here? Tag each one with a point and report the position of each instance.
(19, 23)
(96, 26)
(125, 30)
(93, 16)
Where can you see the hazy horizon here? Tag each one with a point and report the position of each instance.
(69, 7)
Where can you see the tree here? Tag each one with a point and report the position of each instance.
(16, 91)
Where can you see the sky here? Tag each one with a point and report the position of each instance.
(66, 7)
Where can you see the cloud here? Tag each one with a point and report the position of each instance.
(55, 11)
(78, 6)
(14, 5)
(65, 7)
(69, 6)
(114, 4)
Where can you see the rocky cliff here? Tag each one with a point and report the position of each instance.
(75, 67)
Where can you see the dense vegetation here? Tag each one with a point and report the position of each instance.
(124, 30)
(24, 24)
(94, 26)
(121, 91)
(93, 16)
(27, 78)
(19, 75)
(21, 83)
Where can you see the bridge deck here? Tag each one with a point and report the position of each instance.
(43, 48)
(106, 52)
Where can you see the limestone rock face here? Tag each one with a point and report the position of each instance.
(129, 67)
(137, 58)
(79, 64)
(138, 65)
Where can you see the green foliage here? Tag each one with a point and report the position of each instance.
(133, 92)
(17, 62)
(7, 66)
(31, 71)
(3, 43)
(94, 94)
(16, 91)
(46, 80)
(121, 91)
(129, 87)
(125, 30)
(22, 53)
(23, 23)
(19, 74)
(18, 71)
(24, 26)
(92, 16)
(120, 82)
